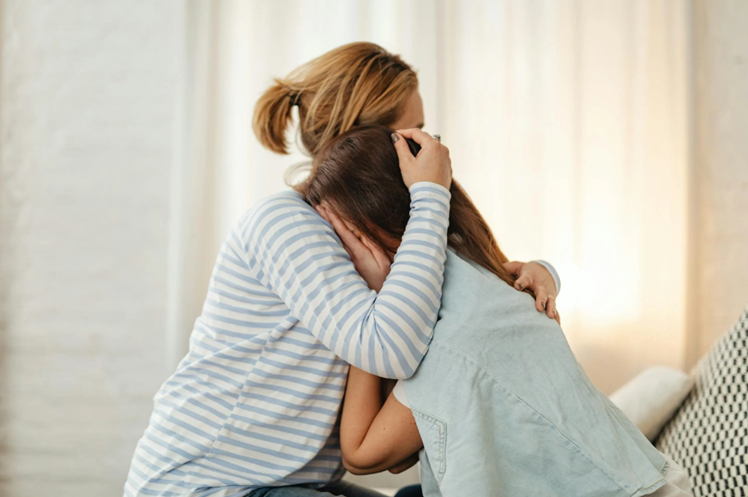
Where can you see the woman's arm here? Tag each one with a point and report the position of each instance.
(297, 255)
(375, 437)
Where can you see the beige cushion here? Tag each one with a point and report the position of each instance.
(652, 397)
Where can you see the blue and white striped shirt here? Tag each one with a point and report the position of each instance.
(256, 400)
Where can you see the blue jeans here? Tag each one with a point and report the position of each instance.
(341, 488)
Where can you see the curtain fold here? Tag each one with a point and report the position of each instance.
(567, 122)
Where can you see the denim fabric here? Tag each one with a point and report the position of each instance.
(410, 491)
(341, 488)
(504, 408)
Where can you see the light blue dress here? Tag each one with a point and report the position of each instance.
(504, 409)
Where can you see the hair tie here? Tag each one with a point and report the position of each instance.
(294, 96)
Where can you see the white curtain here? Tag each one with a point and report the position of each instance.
(567, 120)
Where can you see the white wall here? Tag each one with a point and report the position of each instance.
(88, 118)
(90, 126)
(720, 241)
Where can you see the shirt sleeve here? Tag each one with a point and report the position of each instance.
(399, 393)
(554, 274)
(298, 256)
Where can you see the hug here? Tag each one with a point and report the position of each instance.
(379, 267)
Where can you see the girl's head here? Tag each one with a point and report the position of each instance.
(358, 176)
(356, 84)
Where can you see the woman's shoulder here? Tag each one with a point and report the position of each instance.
(467, 280)
(286, 199)
(274, 211)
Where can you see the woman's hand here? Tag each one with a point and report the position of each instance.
(369, 259)
(538, 279)
(432, 162)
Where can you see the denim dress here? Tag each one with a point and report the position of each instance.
(504, 409)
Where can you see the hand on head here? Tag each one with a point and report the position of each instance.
(431, 164)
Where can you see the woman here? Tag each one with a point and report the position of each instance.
(252, 408)
(499, 402)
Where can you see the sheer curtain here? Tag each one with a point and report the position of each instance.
(567, 120)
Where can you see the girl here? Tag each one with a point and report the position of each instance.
(252, 408)
(499, 403)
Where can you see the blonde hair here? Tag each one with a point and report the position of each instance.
(356, 84)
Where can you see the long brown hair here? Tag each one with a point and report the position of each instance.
(355, 84)
(358, 173)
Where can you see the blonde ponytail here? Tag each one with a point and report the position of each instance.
(356, 84)
(273, 115)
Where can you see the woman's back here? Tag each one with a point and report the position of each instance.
(235, 413)
(501, 403)
(499, 328)
(256, 400)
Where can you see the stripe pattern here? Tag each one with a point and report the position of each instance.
(255, 402)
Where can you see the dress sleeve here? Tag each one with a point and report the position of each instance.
(298, 256)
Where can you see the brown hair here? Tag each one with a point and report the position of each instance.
(356, 84)
(358, 174)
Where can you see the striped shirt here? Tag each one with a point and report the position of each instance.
(255, 402)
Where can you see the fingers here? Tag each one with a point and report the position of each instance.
(348, 251)
(513, 267)
(354, 243)
(383, 261)
(550, 308)
(352, 229)
(322, 211)
(349, 240)
(540, 300)
(376, 251)
(523, 282)
(544, 302)
(403, 151)
(432, 164)
(536, 278)
(417, 135)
